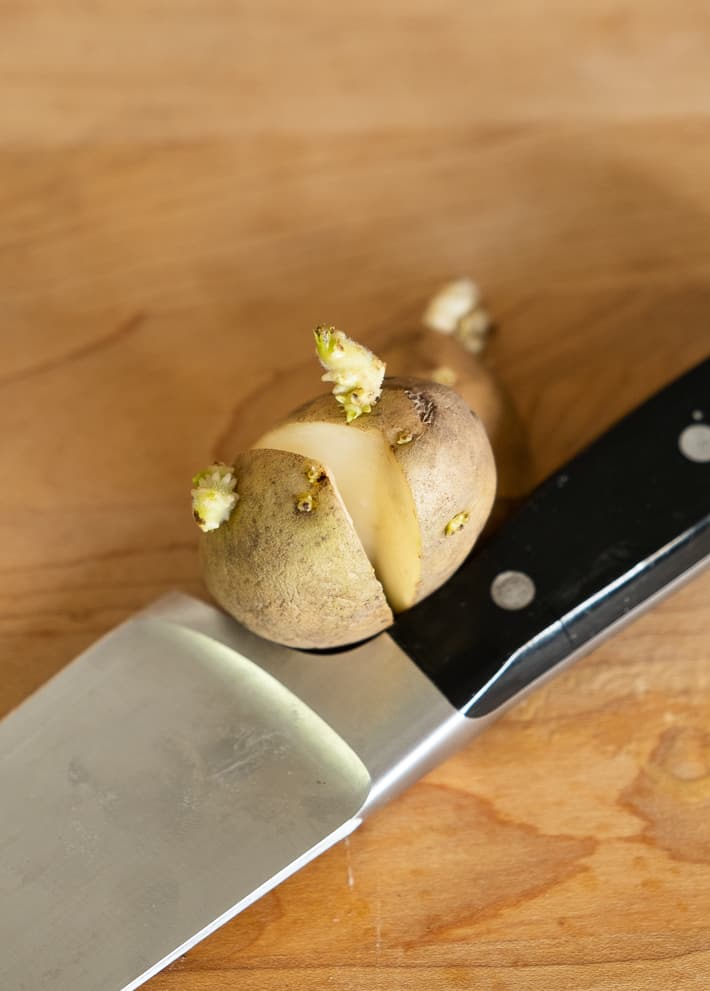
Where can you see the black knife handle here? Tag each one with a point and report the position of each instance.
(623, 520)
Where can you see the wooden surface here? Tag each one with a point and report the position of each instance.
(185, 189)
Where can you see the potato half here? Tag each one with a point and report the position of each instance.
(417, 476)
(288, 563)
(429, 355)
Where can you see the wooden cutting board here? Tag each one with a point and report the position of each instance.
(185, 190)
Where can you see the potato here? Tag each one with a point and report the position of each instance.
(334, 521)
(287, 563)
(419, 461)
(348, 510)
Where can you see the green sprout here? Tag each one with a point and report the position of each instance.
(356, 372)
(214, 496)
(456, 523)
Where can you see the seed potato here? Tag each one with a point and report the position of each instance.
(355, 506)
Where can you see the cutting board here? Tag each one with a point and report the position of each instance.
(186, 190)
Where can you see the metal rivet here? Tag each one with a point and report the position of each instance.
(512, 590)
(694, 442)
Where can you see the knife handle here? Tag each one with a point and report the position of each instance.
(623, 521)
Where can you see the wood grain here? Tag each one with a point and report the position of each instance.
(186, 189)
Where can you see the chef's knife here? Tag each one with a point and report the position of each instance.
(182, 767)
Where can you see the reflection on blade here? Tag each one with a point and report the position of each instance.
(153, 789)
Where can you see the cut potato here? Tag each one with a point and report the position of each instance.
(417, 476)
(288, 563)
(358, 504)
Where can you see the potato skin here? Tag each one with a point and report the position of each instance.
(442, 448)
(450, 469)
(424, 354)
(297, 577)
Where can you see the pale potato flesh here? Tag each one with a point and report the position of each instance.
(375, 493)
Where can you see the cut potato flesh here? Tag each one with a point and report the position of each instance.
(375, 494)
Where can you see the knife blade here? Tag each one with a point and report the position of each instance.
(182, 767)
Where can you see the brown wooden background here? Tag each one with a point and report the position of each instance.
(185, 189)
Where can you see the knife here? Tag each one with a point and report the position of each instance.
(182, 767)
